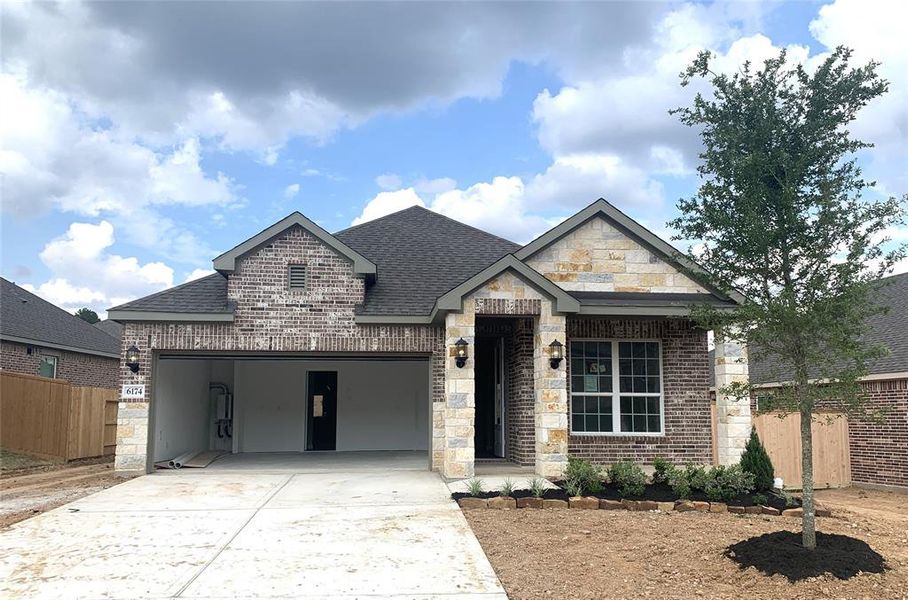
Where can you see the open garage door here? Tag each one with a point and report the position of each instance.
(268, 403)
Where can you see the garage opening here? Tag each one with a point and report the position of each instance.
(272, 404)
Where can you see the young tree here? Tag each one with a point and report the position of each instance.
(781, 218)
(87, 314)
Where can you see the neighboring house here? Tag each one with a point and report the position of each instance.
(38, 338)
(417, 332)
(111, 328)
(878, 448)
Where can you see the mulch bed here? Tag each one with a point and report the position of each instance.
(781, 553)
(654, 492)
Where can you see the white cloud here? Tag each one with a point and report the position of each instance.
(388, 181)
(434, 186)
(386, 203)
(197, 274)
(84, 273)
(291, 190)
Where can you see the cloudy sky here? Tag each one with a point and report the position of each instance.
(141, 140)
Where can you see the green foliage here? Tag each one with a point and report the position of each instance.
(474, 487)
(679, 482)
(788, 498)
(507, 487)
(697, 477)
(760, 499)
(756, 461)
(780, 218)
(537, 487)
(628, 477)
(662, 467)
(584, 475)
(88, 315)
(573, 487)
(727, 483)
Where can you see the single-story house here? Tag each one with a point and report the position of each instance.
(416, 332)
(878, 448)
(38, 338)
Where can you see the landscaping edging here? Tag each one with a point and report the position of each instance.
(593, 503)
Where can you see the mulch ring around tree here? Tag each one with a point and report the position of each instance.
(781, 553)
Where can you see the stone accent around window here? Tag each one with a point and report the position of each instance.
(598, 257)
(733, 417)
(550, 387)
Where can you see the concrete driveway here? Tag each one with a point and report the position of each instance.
(370, 527)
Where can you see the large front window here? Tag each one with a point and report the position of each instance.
(616, 387)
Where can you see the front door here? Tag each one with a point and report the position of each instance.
(498, 354)
(321, 426)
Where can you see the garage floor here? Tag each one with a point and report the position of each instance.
(255, 533)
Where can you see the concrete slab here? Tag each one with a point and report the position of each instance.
(392, 532)
(322, 462)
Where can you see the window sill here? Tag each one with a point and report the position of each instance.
(610, 434)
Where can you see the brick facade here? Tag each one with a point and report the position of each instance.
(270, 317)
(78, 369)
(520, 401)
(685, 384)
(879, 450)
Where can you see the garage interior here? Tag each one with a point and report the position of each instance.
(268, 404)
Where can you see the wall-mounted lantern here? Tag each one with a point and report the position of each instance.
(460, 353)
(556, 354)
(132, 358)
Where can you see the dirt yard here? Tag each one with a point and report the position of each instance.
(40, 487)
(620, 554)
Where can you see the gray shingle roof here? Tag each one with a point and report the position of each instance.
(25, 316)
(420, 255)
(889, 329)
(111, 328)
(205, 295)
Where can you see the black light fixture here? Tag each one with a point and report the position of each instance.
(556, 354)
(460, 353)
(132, 358)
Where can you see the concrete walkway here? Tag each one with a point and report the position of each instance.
(227, 533)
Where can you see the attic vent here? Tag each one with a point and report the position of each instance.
(297, 277)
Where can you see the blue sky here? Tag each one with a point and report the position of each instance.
(146, 139)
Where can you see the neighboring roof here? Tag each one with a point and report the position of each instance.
(28, 319)
(889, 329)
(420, 255)
(227, 260)
(111, 328)
(203, 299)
(602, 208)
(564, 302)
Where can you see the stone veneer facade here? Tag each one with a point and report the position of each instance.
(597, 257)
(733, 415)
(77, 368)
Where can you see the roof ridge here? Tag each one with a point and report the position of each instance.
(167, 290)
(433, 213)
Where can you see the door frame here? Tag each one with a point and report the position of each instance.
(500, 395)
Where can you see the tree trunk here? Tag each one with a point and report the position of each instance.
(808, 520)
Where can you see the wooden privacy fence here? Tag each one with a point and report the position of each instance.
(56, 420)
(782, 439)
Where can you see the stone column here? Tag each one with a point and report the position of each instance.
(460, 396)
(733, 421)
(550, 387)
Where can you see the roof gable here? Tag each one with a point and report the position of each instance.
(226, 262)
(629, 227)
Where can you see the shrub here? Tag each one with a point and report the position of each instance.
(727, 483)
(697, 477)
(507, 488)
(662, 469)
(628, 478)
(788, 498)
(537, 487)
(677, 479)
(756, 461)
(474, 487)
(583, 476)
(760, 499)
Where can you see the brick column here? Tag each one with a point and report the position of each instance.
(460, 396)
(550, 386)
(733, 422)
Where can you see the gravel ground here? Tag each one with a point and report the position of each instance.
(15, 461)
(620, 554)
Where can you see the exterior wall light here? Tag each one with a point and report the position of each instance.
(460, 353)
(132, 358)
(556, 354)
